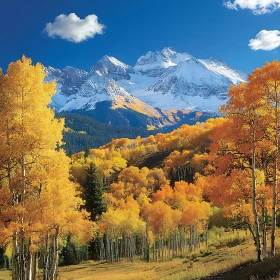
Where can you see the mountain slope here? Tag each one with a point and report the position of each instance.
(85, 130)
(180, 81)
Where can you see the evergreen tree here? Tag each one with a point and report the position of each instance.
(69, 254)
(86, 149)
(93, 193)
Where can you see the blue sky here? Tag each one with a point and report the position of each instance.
(203, 28)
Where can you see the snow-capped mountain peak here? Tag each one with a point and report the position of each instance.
(74, 72)
(111, 67)
(163, 79)
(154, 63)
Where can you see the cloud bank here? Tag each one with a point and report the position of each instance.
(266, 40)
(257, 6)
(74, 29)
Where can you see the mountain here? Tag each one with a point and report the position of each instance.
(171, 80)
(161, 89)
(69, 81)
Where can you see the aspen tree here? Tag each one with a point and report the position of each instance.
(34, 174)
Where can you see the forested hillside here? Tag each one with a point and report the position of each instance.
(82, 130)
(164, 203)
(230, 163)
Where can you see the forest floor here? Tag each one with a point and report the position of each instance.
(195, 267)
(238, 262)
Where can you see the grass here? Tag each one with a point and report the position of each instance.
(180, 268)
(4, 275)
(231, 256)
(204, 262)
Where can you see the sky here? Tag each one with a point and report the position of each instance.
(243, 33)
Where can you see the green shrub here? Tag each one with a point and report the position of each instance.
(205, 253)
(219, 239)
(237, 240)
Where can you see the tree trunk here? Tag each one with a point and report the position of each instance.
(254, 202)
(29, 262)
(147, 242)
(15, 258)
(34, 267)
(274, 206)
(54, 267)
(275, 174)
(264, 229)
(46, 269)
(22, 260)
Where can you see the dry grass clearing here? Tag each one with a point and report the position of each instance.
(180, 268)
(195, 266)
(4, 275)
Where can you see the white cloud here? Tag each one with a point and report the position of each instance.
(257, 6)
(74, 29)
(266, 40)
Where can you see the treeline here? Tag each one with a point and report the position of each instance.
(84, 132)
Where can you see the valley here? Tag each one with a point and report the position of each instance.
(140, 140)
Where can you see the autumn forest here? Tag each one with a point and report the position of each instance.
(147, 199)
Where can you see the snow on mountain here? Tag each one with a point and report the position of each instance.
(153, 64)
(112, 68)
(99, 88)
(188, 85)
(171, 80)
(159, 81)
(68, 82)
(220, 67)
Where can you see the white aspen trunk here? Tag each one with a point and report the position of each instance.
(46, 269)
(22, 260)
(194, 237)
(34, 267)
(29, 262)
(15, 258)
(53, 274)
(264, 229)
(108, 254)
(191, 239)
(29, 266)
(254, 202)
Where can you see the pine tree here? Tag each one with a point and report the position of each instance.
(93, 193)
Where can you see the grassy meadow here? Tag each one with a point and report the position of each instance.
(226, 252)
